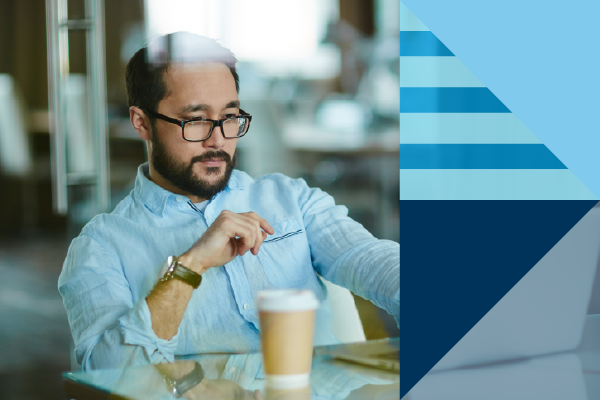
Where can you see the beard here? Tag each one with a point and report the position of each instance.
(181, 174)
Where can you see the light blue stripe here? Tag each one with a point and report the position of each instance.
(408, 20)
(464, 128)
(477, 156)
(436, 72)
(490, 184)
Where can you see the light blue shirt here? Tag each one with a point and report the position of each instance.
(116, 260)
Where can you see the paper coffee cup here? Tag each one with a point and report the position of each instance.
(287, 323)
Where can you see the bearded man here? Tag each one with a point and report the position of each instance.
(175, 268)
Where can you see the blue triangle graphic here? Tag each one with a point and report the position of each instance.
(459, 258)
(508, 45)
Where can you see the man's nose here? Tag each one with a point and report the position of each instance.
(216, 139)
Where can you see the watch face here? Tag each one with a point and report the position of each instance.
(170, 266)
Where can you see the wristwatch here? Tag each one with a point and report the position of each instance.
(180, 386)
(174, 270)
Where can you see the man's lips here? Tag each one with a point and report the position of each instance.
(212, 159)
(214, 162)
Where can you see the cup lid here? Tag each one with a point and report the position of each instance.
(287, 300)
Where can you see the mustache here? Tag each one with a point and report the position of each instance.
(212, 155)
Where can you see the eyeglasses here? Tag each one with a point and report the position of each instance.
(200, 129)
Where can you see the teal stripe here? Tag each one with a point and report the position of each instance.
(436, 72)
(478, 156)
(450, 100)
(463, 128)
(489, 184)
(422, 44)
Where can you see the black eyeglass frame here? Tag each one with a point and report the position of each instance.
(218, 122)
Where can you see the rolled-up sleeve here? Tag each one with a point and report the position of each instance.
(345, 253)
(109, 329)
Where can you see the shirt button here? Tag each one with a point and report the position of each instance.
(179, 199)
(232, 369)
(246, 306)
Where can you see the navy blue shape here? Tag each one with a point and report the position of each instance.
(422, 43)
(449, 100)
(459, 258)
(478, 156)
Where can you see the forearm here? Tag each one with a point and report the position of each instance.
(131, 342)
(168, 301)
(345, 253)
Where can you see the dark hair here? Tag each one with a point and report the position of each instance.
(144, 74)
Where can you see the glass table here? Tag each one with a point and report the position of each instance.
(573, 375)
(231, 376)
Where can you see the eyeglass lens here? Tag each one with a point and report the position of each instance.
(199, 130)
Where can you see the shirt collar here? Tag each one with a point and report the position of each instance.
(155, 197)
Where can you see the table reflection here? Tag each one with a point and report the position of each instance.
(230, 376)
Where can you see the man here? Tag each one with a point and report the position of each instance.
(128, 282)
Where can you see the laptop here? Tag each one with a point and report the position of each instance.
(543, 313)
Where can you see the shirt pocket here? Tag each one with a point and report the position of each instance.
(285, 255)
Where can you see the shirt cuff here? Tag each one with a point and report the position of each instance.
(136, 327)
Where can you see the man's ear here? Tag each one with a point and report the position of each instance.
(140, 122)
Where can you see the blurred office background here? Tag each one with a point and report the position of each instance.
(320, 78)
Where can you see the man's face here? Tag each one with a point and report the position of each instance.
(201, 169)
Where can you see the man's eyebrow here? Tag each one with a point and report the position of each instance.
(193, 108)
(232, 104)
(190, 108)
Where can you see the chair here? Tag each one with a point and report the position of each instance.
(346, 325)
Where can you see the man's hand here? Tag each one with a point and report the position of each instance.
(229, 236)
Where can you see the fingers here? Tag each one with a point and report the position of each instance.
(262, 222)
(259, 226)
(247, 229)
(257, 245)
